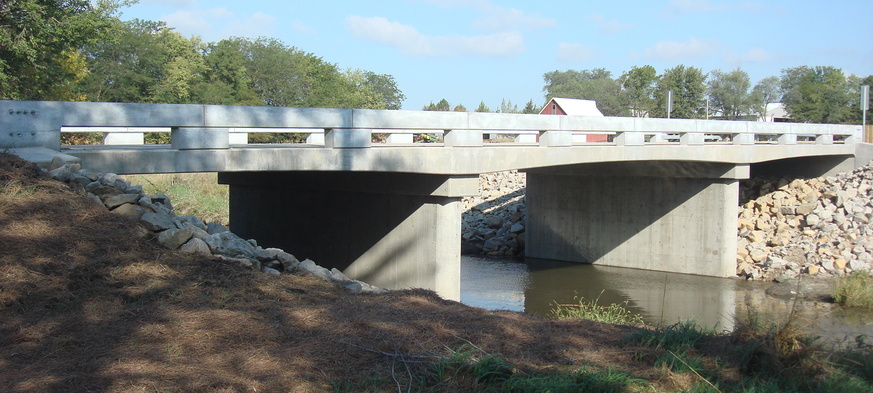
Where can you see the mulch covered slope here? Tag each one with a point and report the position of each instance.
(89, 303)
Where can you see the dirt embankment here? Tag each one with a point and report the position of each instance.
(89, 303)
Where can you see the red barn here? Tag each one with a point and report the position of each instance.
(574, 107)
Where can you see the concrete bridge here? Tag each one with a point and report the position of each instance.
(660, 194)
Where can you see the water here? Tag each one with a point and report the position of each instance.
(535, 285)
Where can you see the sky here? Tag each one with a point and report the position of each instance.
(472, 51)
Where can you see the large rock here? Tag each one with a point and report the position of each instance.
(156, 222)
(226, 243)
(173, 238)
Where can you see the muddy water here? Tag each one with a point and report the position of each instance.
(534, 286)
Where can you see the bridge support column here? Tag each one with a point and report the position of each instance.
(676, 217)
(393, 230)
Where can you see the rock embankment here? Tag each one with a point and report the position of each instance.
(820, 226)
(189, 233)
(493, 222)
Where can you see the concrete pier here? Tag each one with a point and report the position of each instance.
(632, 215)
(393, 230)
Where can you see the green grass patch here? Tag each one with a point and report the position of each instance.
(469, 369)
(615, 313)
(855, 290)
(196, 194)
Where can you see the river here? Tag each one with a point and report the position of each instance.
(535, 285)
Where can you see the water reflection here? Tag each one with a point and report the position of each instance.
(535, 286)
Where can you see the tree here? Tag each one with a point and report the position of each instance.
(816, 94)
(459, 108)
(729, 94)
(687, 84)
(531, 108)
(442, 105)
(129, 65)
(38, 39)
(385, 88)
(596, 84)
(226, 79)
(638, 86)
(766, 91)
(506, 106)
(855, 112)
(483, 108)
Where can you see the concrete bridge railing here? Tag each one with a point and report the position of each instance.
(39, 123)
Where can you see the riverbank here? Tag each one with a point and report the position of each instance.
(91, 302)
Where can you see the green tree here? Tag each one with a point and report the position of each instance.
(638, 86)
(596, 84)
(689, 91)
(816, 94)
(531, 108)
(855, 82)
(766, 91)
(442, 105)
(37, 41)
(225, 78)
(506, 106)
(142, 61)
(483, 108)
(729, 94)
(459, 108)
(385, 88)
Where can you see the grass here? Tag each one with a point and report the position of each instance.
(616, 313)
(855, 290)
(197, 194)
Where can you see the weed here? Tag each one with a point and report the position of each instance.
(677, 337)
(615, 313)
(855, 290)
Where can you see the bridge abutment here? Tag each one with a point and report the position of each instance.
(667, 216)
(393, 230)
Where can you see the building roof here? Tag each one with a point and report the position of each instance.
(576, 107)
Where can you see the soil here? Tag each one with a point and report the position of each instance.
(90, 303)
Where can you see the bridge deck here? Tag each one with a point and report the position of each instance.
(425, 159)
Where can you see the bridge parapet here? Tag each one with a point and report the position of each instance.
(39, 123)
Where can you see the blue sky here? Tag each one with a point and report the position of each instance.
(468, 51)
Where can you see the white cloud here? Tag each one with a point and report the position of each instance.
(609, 26)
(498, 18)
(409, 40)
(706, 6)
(219, 23)
(575, 52)
(677, 51)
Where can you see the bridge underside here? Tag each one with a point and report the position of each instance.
(402, 230)
(668, 216)
(393, 230)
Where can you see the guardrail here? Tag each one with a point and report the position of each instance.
(217, 127)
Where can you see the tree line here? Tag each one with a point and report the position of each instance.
(810, 94)
(79, 50)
